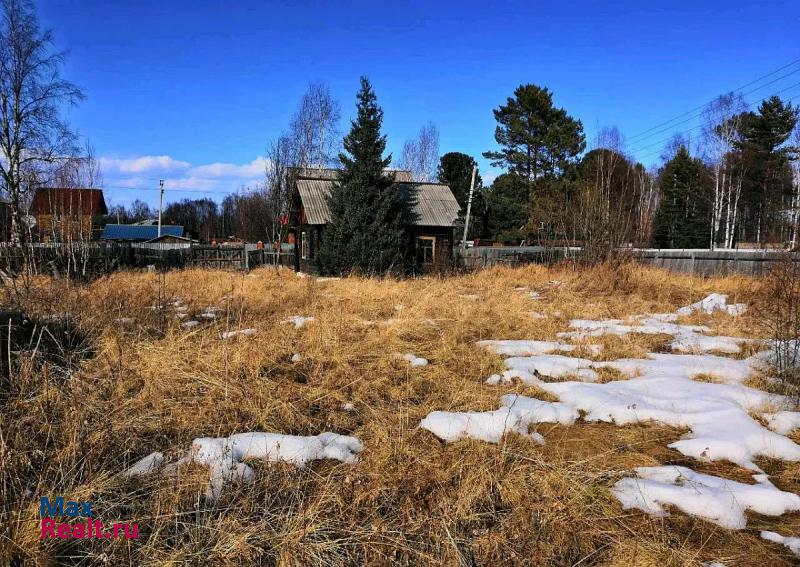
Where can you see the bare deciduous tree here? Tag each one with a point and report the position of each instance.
(77, 171)
(33, 134)
(314, 130)
(421, 155)
(281, 168)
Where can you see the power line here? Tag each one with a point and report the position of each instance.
(698, 115)
(656, 152)
(759, 79)
(659, 142)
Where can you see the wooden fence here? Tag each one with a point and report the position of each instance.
(699, 262)
(96, 258)
(713, 262)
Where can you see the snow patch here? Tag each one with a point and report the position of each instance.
(515, 415)
(224, 456)
(299, 321)
(190, 324)
(717, 415)
(686, 338)
(146, 465)
(712, 303)
(792, 543)
(413, 360)
(718, 500)
(530, 347)
(783, 422)
(240, 332)
(554, 366)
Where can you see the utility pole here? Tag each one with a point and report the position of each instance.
(469, 208)
(160, 206)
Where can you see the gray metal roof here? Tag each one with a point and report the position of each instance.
(435, 203)
(400, 175)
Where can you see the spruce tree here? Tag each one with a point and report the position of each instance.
(684, 211)
(367, 231)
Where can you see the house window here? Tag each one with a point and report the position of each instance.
(426, 249)
(304, 245)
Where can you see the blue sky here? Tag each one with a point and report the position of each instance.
(193, 91)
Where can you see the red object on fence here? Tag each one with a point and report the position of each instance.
(259, 245)
(283, 218)
(290, 240)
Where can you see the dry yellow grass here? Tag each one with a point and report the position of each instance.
(152, 385)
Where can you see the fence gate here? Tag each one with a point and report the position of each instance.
(221, 257)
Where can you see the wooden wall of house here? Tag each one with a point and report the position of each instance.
(67, 228)
(443, 247)
(441, 237)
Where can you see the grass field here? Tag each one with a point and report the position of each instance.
(152, 385)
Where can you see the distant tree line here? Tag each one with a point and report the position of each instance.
(740, 183)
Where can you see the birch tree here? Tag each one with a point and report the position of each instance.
(795, 200)
(421, 154)
(314, 130)
(33, 134)
(721, 131)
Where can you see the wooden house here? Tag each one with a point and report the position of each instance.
(435, 212)
(68, 215)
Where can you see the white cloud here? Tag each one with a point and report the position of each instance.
(137, 177)
(222, 169)
(143, 164)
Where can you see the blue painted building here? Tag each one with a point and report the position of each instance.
(140, 232)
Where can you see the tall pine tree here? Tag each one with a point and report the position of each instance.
(684, 211)
(368, 230)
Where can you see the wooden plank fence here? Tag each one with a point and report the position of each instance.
(96, 258)
(701, 262)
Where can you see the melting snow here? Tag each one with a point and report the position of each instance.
(716, 499)
(146, 465)
(516, 415)
(296, 357)
(687, 338)
(243, 332)
(783, 422)
(190, 324)
(792, 543)
(712, 303)
(688, 366)
(299, 321)
(224, 455)
(413, 360)
(528, 347)
(554, 365)
(716, 414)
